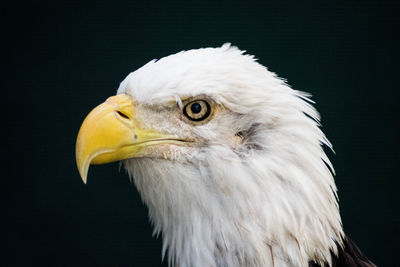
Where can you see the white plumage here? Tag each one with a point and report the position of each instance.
(255, 189)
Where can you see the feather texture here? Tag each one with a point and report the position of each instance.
(349, 255)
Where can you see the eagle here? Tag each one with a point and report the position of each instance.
(229, 160)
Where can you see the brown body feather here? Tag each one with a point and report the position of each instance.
(348, 256)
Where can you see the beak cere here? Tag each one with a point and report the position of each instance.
(111, 133)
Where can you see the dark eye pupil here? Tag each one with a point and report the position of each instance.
(195, 108)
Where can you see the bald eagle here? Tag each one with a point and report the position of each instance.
(228, 159)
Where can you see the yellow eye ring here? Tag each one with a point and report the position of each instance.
(197, 110)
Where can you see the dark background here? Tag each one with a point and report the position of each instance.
(61, 59)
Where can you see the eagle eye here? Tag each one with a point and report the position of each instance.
(197, 110)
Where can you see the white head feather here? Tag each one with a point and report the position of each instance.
(266, 200)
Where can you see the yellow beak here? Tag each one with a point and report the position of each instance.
(111, 133)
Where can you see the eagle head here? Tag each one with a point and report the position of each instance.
(227, 157)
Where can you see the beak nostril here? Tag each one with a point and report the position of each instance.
(122, 114)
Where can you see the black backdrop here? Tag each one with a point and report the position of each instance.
(61, 59)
